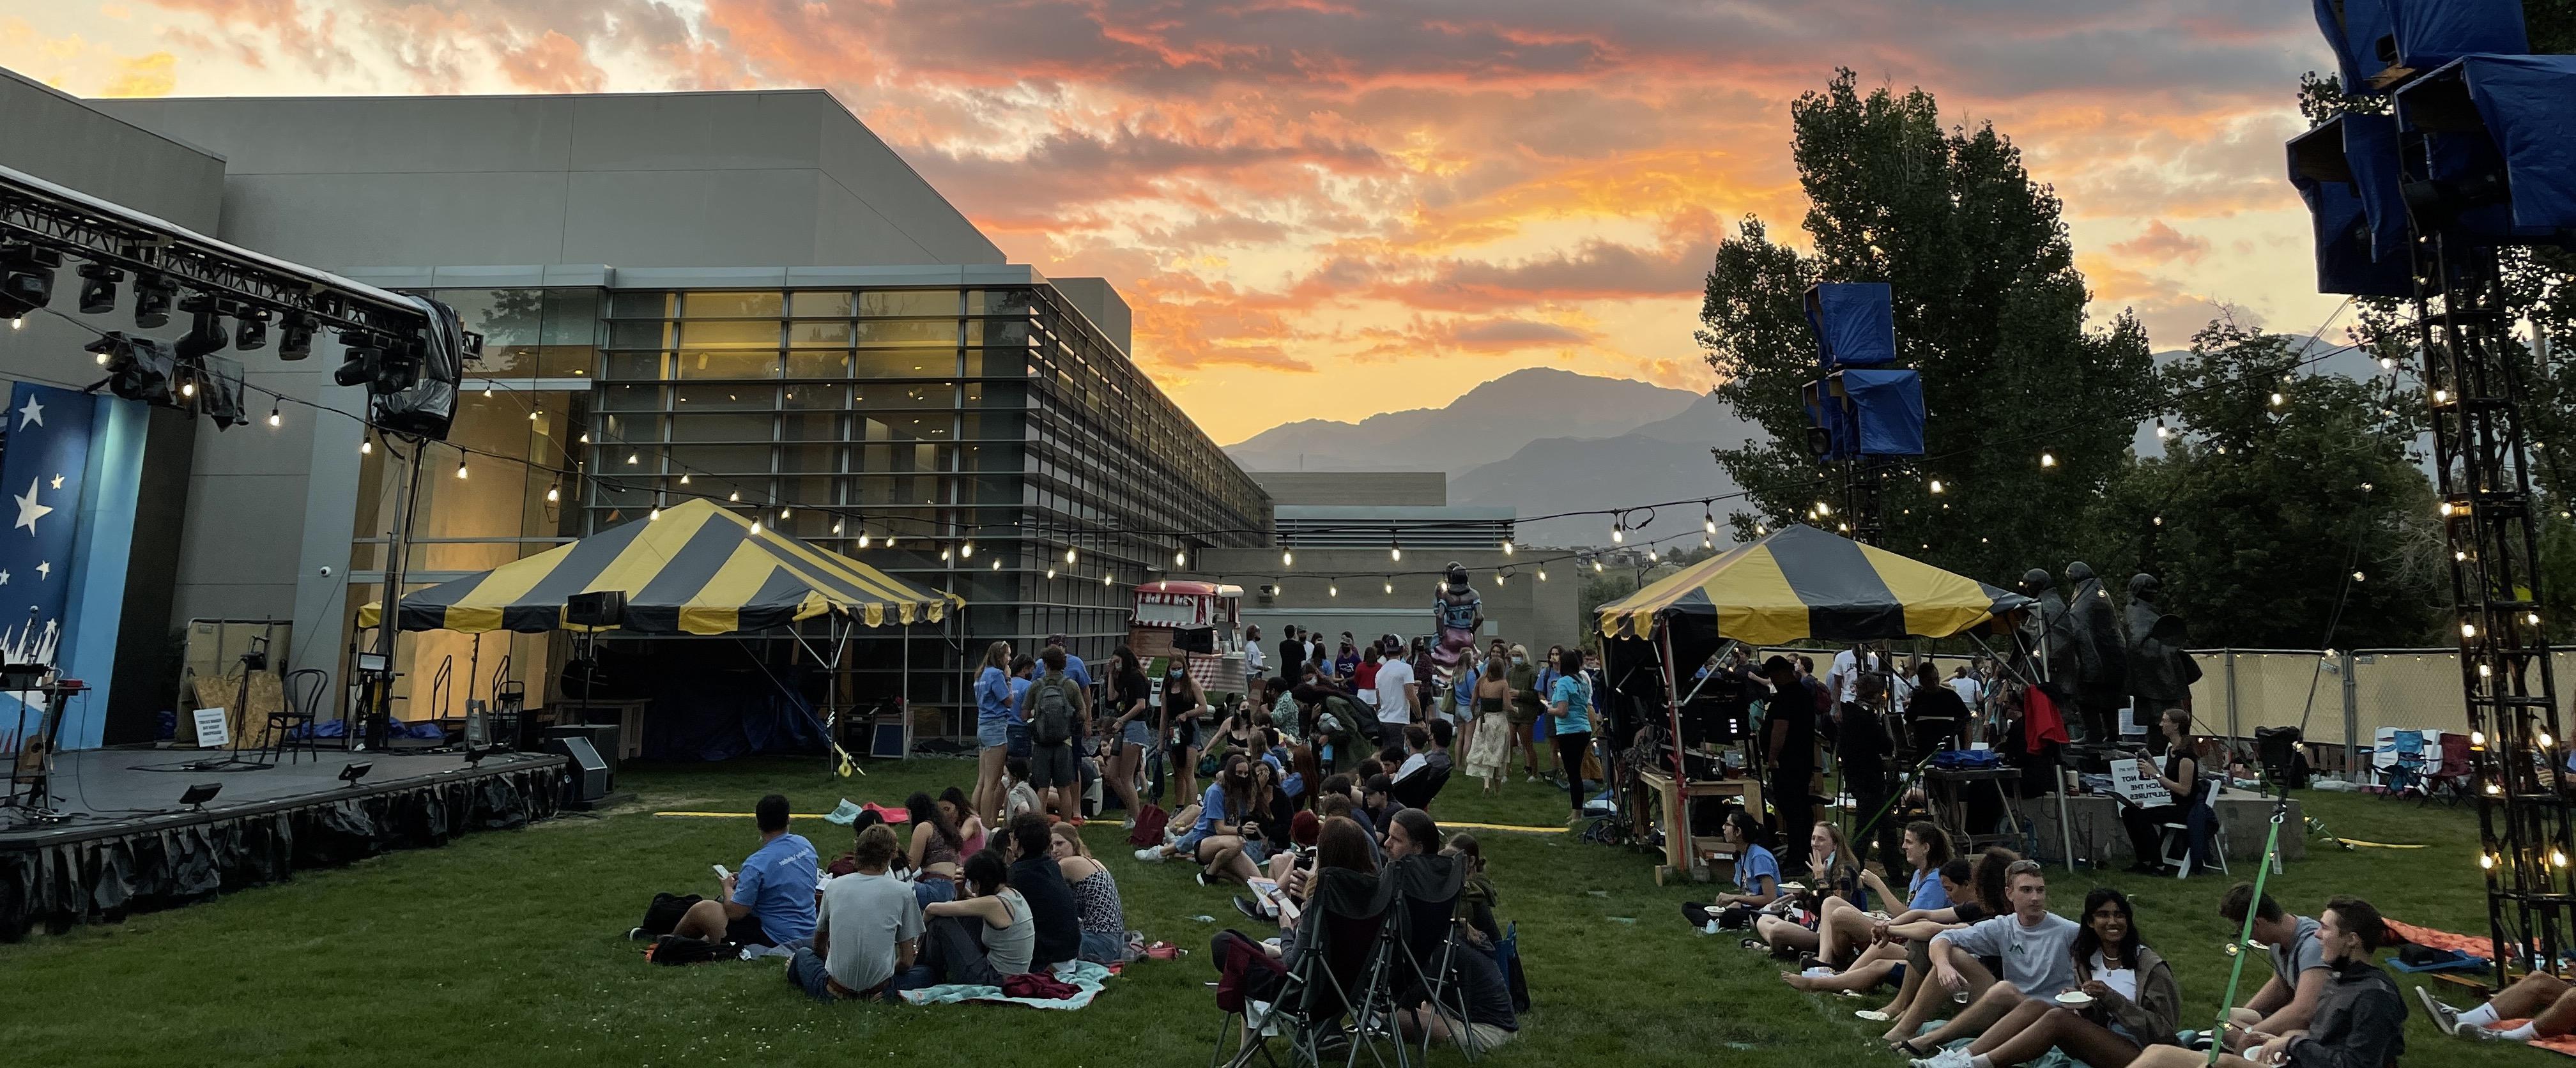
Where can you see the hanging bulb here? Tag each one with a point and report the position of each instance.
(585, 437)
(1618, 533)
(1707, 542)
(487, 387)
(946, 555)
(1050, 571)
(1823, 509)
(863, 537)
(1542, 574)
(1507, 546)
(2485, 671)
(1394, 551)
(684, 478)
(366, 445)
(889, 539)
(997, 564)
(656, 513)
(1287, 557)
(1936, 488)
(2441, 396)
(1498, 580)
(836, 526)
(1760, 529)
(2468, 630)
(273, 418)
(1596, 565)
(460, 469)
(1708, 519)
(2545, 740)
(2161, 430)
(532, 415)
(2487, 860)
(2557, 858)
(2356, 576)
(554, 493)
(755, 528)
(966, 549)
(734, 497)
(1180, 558)
(2048, 459)
(2160, 520)
(1390, 584)
(782, 514)
(2532, 618)
(188, 389)
(2276, 398)
(1104, 578)
(1333, 588)
(634, 458)
(1068, 554)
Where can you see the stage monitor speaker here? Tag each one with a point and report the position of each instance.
(590, 779)
(604, 608)
(601, 736)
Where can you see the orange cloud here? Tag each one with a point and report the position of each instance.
(2162, 243)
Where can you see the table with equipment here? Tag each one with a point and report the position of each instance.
(1946, 791)
(1682, 850)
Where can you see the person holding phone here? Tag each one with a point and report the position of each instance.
(770, 902)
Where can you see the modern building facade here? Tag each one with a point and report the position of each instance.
(741, 296)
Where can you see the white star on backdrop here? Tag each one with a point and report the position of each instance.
(28, 510)
(58, 482)
(4, 578)
(33, 413)
(44, 570)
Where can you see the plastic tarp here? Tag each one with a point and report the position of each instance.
(1887, 409)
(1828, 412)
(2344, 229)
(1855, 323)
(2370, 149)
(2431, 33)
(2355, 28)
(2529, 103)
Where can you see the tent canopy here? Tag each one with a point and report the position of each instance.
(698, 569)
(1803, 583)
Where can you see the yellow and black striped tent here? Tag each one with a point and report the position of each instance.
(1803, 583)
(696, 569)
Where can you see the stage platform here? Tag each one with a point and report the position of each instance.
(127, 845)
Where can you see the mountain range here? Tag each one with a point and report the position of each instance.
(1539, 441)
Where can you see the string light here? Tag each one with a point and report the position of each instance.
(2557, 858)
(2276, 399)
(836, 526)
(2387, 364)
(1542, 574)
(1050, 571)
(684, 478)
(634, 458)
(2487, 860)
(945, 555)
(782, 515)
(460, 469)
(2049, 459)
(1708, 517)
(1287, 557)
(966, 549)
(2545, 740)
(1104, 578)
(366, 445)
(2477, 737)
(656, 513)
(2441, 396)
(1394, 548)
(1180, 557)
(863, 537)
(2468, 630)
(1333, 588)
(1507, 546)
(2160, 520)
(755, 532)
(1936, 488)
(2532, 618)
(997, 564)
(1618, 531)
(2161, 430)
(585, 437)
(1498, 580)
(554, 493)
(2356, 576)
(1824, 509)
(734, 497)
(274, 419)
(1390, 584)
(532, 415)
(1068, 554)
(1596, 565)
(188, 389)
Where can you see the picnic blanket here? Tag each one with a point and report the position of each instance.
(2483, 949)
(1086, 978)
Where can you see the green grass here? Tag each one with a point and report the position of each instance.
(506, 949)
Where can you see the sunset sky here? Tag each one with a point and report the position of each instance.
(1321, 208)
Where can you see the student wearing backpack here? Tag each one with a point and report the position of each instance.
(1054, 710)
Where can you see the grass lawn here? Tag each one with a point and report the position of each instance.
(508, 949)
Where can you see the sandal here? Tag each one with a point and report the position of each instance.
(1755, 943)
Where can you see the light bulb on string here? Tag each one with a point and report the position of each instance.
(734, 497)
(1390, 584)
(1936, 487)
(188, 389)
(1333, 588)
(966, 549)
(634, 458)
(1618, 532)
(460, 469)
(656, 513)
(585, 437)
(1050, 571)
(2160, 520)
(2276, 398)
(2162, 431)
(274, 419)
(1180, 557)
(532, 415)
(1287, 558)
(1542, 574)
(997, 564)
(1498, 580)
(684, 478)
(366, 446)
(782, 514)
(2468, 630)
(755, 528)
(2487, 860)
(1507, 546)
(1104, 578)
(863, 537)
(2048, 459)
(1394, 549)
(554, 493)
(2477, 737)
(1068, 554)
(2357, 576)
(1708, 517)
(1596, 565)
(836, 526)
(2387, 364)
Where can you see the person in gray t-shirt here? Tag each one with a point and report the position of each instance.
(869, 928)
(2037, 950)
(2288, 1001)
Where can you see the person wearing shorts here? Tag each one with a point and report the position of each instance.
(993, 705)
(1053, 767)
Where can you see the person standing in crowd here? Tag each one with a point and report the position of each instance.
(1074, 668)
(1395, 709)
(1051, 761)
(1864, 747)
(1292, 654)
(867, 930)
(2360, 1018)
(1522, 680)
(1937, 718)
(1789, 742)
(1462, 692)
(1131, 727)
(1347, 664)
(2301, 969)
(770, 902)
(1185, 711)
(1254, 656)
(1544, 728)
(1572, 705)
(993, 716)
(1364, 682)
(1489, 749)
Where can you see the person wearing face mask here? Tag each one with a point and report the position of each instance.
(1184, 709)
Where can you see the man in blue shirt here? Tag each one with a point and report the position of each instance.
(770, 902)
(1073, 667)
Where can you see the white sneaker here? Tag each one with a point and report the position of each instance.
(1948, 1058)
(2445, 1018)
(1151, 854)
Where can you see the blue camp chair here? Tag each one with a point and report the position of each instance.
(2408, 772)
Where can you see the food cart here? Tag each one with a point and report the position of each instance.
(1202, 620)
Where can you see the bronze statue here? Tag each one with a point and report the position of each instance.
(2161, 671)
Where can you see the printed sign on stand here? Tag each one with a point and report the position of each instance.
(213, 730)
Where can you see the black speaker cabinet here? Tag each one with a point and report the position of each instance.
(601, 736)
(588, 780)
(605, 608)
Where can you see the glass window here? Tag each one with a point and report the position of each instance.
(742, 335)
(907, 333)
(642, 334)
(704, 396)
(810, 426)
(703, 363)
(810, 456)
(631, 304)
(997, 302)
(998, 332)
(906, 395)
(633, 365)
(998, 363)
(625, 398)
(908, 302)
(904, 365)
(812, 395)
(809, 363)
(734, 305)
(821, 303)
(720, 427)
(722, 459)
(815, 335)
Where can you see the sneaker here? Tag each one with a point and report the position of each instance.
(636, 934)
(1204, 880)
(1948, 1058)
(1249, 908)
(1151, 855)
(2445, 1018)
(2473, 1031)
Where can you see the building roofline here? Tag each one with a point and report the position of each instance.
(88, 105)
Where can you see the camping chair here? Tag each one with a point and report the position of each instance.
(290, 729)
(1341, 974)
(2407, 773)
(1421, 943)
(1417, 792)
(2455, 773)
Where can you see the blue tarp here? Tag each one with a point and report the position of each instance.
(2431, 33)
(1855, 323)
(2529, 104)
(2370, 149)
(2355, 28)
(1888, 408)
(2344, 230)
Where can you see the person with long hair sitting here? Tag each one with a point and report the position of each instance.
(979, 939)
(1841, 925)
(1095, 897)
(2360, 1021)
(1831, 872)
(1217, 836)
(1757, 871)
(1889, 939)
(935, 851)
(2132, 1001)
(961, 815)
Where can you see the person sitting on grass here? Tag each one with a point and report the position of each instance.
(868, 932)
(1977, 896)
(1041, 882)
(979, 939)
(1830, 873)
(1217, 830)
(849, 862)
(961, 815)
(2360, 1020)
(1019, 797)
(2544, 1003)
(1841, 925)
(2134, 1002)
(1477, 898)
(1893, 940)
(770, 902)
(2037, 950)
(1757, 872)
(935, 850)
(1095, 898)
(2300, 972)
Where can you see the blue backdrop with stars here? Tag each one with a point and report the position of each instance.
(44, 448)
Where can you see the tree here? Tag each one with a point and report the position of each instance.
(2260, 513)
(1988, 306)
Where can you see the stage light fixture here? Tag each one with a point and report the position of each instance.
(250, 330)
(195, 797)
(295, 336)
(357, 771)
(361, 361)
(153, 293)
(26, 279)
(98, 288)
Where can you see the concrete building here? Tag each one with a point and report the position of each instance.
(723, 294)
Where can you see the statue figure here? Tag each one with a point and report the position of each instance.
(2101, 656)
(2160, 670)
(2046, 653)
(1458, 612)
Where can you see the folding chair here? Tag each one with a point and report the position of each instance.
(1422, 943)
(1418, 790)
(2455, 772)
(2407, 773)
(1339, 973)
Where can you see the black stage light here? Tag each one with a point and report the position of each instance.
(26, 279)
(360, 361)
(98, 288)
(153, 293)
(198, 795)
(206, 334)
(250, 330)
(295, 336)
(357, 771)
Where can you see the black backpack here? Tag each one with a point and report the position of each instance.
(1052, 702)
(663, 915)
(675, 950)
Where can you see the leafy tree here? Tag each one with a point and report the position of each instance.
(2259, 514)
(1988, 306)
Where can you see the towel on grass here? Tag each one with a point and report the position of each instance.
(1087, 979)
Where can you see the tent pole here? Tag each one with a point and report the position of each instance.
(1677, 818)
(379, 716)
(2065, 830)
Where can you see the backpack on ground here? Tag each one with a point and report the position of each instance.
(675, 950)
(1053, 701)
(663, 915)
